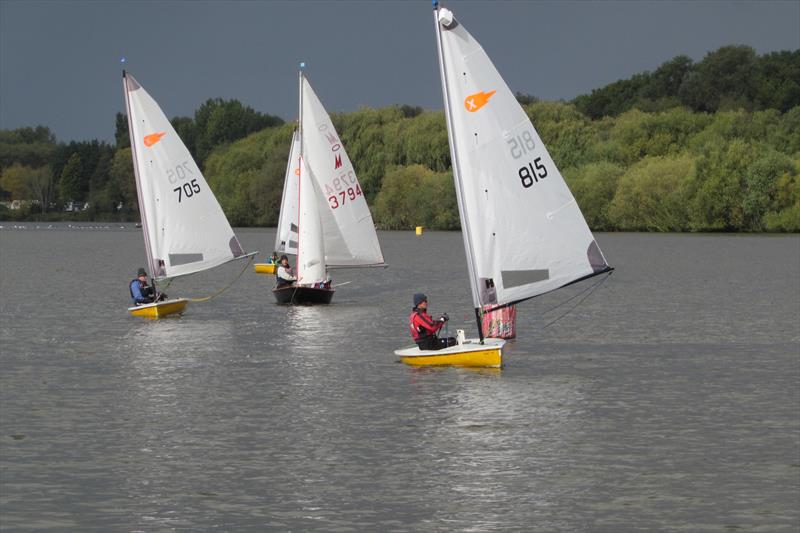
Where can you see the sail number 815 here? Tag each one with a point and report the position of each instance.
(532, 173)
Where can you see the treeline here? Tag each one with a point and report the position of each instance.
(730, 78)
(93, 180)
(636, 155)
(674, 170)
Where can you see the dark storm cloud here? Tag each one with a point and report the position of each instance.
(59, 61)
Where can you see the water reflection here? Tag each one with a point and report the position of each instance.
(495, 437)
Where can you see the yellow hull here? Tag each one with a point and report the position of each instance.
(160, 309)
(469, 354)
(264, 268)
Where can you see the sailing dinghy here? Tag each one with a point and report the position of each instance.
(524, 235)
(185, 230)
(324, 219)
(286, 235)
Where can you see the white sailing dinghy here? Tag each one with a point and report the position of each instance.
(185, 230)
(286, 234)
(524, 234)
(324, 219)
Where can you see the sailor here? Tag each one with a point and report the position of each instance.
(424, 328)
(141, 292)
(285, 273)
(273, 259)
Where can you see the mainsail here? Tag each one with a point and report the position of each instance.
(184, 226)
(523, 231)
(349, 232)
(286, 236)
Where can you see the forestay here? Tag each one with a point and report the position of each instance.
(350, 238)
(185, 228)
(286, 236)
(310, 249)
(523, 231)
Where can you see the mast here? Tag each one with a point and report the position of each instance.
(456, 167)
(299, 166)
(142, 214)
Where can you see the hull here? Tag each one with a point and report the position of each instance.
(303, 295)
(471, 354)
(264, 268)
(159, 309)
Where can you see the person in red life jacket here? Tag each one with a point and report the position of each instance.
(424, 328)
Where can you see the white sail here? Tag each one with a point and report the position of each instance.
(350, 238)
(185, 228)
(286, 236)
(310, 248)
(524, 233)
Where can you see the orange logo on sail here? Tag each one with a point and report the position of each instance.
(476, 101)
(153, 138)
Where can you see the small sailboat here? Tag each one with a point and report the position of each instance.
(185, 230)
(324, 220)
(524, 234)
(264, 268)
(286, 234)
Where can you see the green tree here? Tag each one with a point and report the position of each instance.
(29, 184)
(767, 182)
(416, 196)
(724, 79)
(121, 186)
(31, 147)
(718, 189)
(220, 121)
(121, 133)
(594, 186)
(651, 195)
(70, 185)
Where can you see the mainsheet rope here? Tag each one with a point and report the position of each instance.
(589, 290)
(226, 287)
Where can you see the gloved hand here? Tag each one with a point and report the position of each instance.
(444, 317)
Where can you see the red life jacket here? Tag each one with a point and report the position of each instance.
(421, 325)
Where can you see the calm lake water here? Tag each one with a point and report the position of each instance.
(669, 400)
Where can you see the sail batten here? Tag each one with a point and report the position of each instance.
(524, 233)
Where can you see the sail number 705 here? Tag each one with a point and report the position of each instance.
(188, 190)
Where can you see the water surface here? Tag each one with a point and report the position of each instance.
(669, 400)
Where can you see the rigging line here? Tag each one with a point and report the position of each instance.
(568, 311)
(226, 287)
(590, 287)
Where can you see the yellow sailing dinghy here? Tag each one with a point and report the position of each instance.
(524, 234)
(184, 228)
(265, 268)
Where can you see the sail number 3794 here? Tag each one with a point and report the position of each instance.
(345, 187)
(534, 171)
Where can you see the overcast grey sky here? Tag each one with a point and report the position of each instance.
(60, 60)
